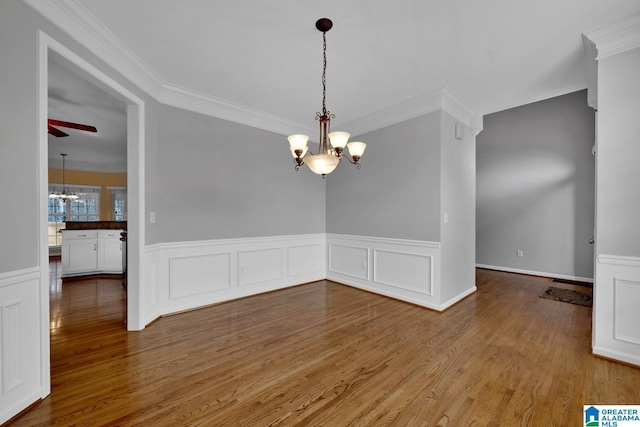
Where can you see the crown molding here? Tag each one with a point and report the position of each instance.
(617, 38)
(590, 53)
(74, 19)
(441, 99)
(454, 106)
(199, 102)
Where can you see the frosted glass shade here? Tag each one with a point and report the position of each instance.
(298, 142)
(339, 139)
(304, 151)
(356, 148)
(322, 164)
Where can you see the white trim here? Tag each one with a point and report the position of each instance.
(386, 240)
(237, 242)
(21, 386)
(617, 38)
(199, 102)
(43, 210)
(619, 260)
(18, 276)
(376, 275)
(536, 273)
(619, 301)
(615, 314)
(357, 264)
(590, 53)
(135, 173)
(441, 99)
(188, 275)
(83, 27)
(615, 355)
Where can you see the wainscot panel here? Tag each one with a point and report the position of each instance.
(195, 274)
(20, 340)
(616, 295)
(303, 260)
(407, 270)
(349, 261)
(198, 274)
(404, 270)
(259, 266)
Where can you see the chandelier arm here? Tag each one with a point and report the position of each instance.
(350, 160)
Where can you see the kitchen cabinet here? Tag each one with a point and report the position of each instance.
(91, 252)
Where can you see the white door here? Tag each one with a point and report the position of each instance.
(110, 251)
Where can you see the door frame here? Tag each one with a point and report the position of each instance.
(135, 189)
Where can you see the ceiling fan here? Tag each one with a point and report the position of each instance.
(57, 132)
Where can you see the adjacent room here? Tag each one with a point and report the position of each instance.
(342, 213)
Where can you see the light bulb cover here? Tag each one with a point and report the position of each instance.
(356, 148)
(339, 139)
(298, 141)
(322, 164)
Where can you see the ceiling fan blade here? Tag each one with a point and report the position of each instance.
(56, 132)
(70, 125)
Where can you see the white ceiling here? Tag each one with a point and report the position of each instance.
(266, 55)
(74, 99)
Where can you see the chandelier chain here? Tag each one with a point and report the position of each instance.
(324, 72)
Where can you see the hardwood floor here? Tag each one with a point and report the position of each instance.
(327, 354)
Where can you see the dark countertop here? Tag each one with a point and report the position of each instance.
(96, 225)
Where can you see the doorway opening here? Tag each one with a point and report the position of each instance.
(50, 48)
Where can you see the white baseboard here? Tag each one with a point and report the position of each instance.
(632, 359)
(536, 273)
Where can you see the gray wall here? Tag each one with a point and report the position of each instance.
(216, 179)
(458, 196)
(205, 178)
(396, 194)
(19, 137)
(19, 168)
(535, 187)
(618, 211)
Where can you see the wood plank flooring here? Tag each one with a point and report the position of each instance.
(327, 354)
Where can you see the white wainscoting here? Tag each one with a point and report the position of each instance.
(187, 275)
(20, 340)
(407, 270)
(616, 309)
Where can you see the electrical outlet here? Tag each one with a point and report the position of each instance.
(152, 217)
(520, 253)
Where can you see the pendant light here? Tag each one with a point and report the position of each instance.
(327, 158)
(64, 195)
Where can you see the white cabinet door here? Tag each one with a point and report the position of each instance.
(82, 255)
(110, 251)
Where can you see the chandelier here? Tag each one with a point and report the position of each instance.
(327, 158)
(64, 195)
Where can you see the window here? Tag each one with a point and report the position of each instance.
(85, 208)
(119, 203)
